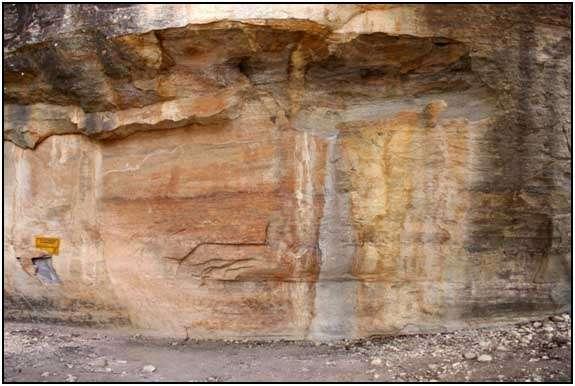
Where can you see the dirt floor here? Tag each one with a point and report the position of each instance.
(532, 352)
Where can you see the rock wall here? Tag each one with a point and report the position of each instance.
(301, 171)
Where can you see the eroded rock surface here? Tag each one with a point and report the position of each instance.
(303, 171)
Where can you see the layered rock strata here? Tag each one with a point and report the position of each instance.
(301, 171)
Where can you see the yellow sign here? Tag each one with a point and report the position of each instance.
(48, 244)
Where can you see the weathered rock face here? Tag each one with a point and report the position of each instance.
(303, 171)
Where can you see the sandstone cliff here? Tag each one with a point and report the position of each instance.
(302, 171)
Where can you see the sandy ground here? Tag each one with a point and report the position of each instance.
(534, 352)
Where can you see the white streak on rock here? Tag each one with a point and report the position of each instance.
(336, 288)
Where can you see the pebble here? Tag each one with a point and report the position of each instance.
(548, 329)
(557, 318)
(502, 348)
(469, 355)
(148, 369)
(432, 366)
(537, 324)
(484, 344)
(45, 374)
(562, 326)
(100, 362)
(484, 358)
(71, 378)
(560, 340)
(376, 361)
